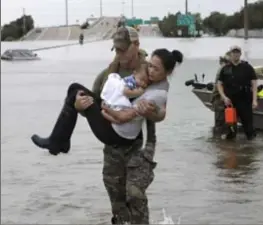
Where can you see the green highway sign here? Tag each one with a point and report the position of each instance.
(185, 20)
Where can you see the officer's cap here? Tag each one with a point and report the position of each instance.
(235, 48)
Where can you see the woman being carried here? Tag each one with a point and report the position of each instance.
(116, 94)
(113, 117)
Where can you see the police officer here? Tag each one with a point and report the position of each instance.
(217, 102)
(237, 85)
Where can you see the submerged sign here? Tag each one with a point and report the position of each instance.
(187, 20)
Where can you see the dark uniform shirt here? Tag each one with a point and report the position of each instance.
(237, 79)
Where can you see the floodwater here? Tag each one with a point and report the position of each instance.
(198, 179)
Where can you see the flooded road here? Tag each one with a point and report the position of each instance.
(199, 179)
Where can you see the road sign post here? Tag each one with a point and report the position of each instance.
(187, 20)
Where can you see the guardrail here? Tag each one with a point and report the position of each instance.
(64, 45)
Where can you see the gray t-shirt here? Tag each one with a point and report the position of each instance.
(156, 93)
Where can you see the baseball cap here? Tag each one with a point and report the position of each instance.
(235, 47)
(123, 37)
(224, 58)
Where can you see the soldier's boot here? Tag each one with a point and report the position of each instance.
(59, 139)
(119, 221)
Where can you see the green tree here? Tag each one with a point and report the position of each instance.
(219, 24)
(215, 23)
(16, 29)
(169, 28)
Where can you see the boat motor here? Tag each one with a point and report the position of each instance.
(189, 82)
(203, 77)
(194, 83)
(210, 86)
(196, 79)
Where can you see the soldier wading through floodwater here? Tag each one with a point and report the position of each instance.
(127, 170)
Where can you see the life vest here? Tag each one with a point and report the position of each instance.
(260, 94)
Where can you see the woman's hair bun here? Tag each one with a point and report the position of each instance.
(178, 56)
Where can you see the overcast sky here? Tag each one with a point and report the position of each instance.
(52, 12)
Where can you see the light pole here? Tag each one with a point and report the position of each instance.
(123, 6)
(132, 9)
(24, 21)
(245, 20)
(66, 13)
(100, 8)
(186, 7)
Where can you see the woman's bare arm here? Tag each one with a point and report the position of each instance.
(151, 111)
(157, 116)
(133, 93)
(109, 117)
(127, 115)
(121, 116)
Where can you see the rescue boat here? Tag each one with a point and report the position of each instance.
(203, 92)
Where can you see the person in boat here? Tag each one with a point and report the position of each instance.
(259, 72)
(127, 170)
(260, 94)
(237, 85)
(217, 102)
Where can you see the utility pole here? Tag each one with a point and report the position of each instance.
(24, 21)
(132, 9)
(245, 20)
(186, 7)
(123, 7)
(100, 8)
(66, 14)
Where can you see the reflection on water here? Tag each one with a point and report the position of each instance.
(237, 161)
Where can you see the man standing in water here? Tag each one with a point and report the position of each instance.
(217, 102)
(237, 85)
(127, 171)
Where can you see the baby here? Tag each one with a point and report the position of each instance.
(118, 92)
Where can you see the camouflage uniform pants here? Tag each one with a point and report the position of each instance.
(219, 116)
(127, 173)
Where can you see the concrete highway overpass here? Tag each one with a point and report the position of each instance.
(101, 28)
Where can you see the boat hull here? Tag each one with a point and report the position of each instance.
(19, 58)
(205, 96)
(19, 55)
